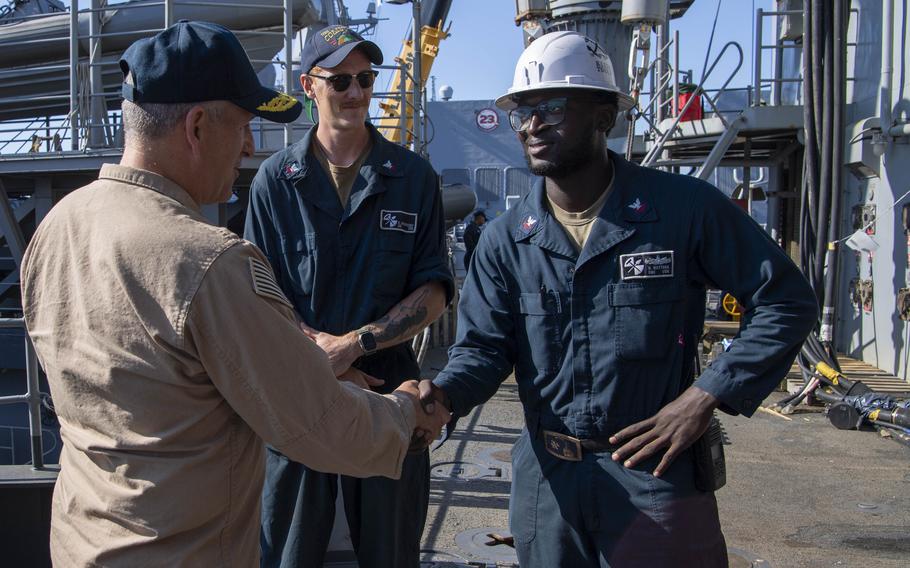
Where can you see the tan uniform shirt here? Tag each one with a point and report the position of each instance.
(170, 357)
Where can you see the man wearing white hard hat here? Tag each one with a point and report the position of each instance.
(592, 287)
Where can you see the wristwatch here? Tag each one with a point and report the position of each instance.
(367, 341)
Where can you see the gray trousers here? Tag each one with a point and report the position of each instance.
(385, 516)
(598, 513)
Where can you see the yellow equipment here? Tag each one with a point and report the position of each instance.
(390, 121)
(732, 307)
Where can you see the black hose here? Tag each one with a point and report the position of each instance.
(840, 384)
(829, 315)
(808, 209)
(824, 201)
(816, 39)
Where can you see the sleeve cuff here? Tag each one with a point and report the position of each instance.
(726, 390)
(440, 275)
(407, 409)
(460, 406)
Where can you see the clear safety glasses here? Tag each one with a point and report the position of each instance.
(550, 111)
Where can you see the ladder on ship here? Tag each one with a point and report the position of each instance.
(740, 127)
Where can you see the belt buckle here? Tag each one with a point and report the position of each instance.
(562, 446)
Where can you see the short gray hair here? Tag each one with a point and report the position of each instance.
(149, 121)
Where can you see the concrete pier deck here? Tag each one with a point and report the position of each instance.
(799, 492)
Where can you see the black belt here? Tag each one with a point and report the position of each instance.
(569, 448)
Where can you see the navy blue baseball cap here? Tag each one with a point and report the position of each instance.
(329, 46)
(192, 62)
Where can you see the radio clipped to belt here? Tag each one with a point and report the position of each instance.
(708, 451)
(710, 465)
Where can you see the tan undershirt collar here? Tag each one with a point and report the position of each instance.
(342, 177)
(578, 225)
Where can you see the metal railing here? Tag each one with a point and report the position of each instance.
(417, 132)
(92, 125)
(776, 81)
(10, 452)
(87, 124)
(32, 396)
(657, 148)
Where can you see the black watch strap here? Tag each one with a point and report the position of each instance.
(367, 342)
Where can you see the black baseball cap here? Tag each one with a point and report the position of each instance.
(192, 62)
(329, 46)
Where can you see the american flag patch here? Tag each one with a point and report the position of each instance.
(264, 282)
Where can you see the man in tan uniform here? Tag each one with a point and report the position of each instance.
(170, 351)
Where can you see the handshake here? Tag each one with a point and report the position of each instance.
(431, 404)
(432, 408)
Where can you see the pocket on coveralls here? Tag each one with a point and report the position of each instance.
(643, 317)
(525, 489)
(542, 315)
(301, 262)
(392, 263)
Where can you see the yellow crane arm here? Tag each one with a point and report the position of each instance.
(394, 119)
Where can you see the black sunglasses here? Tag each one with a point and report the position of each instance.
(341, 82)
(550, 111)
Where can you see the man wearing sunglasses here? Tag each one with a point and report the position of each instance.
(592, 287)
(352, 225)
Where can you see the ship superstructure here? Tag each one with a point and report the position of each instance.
(815, 147)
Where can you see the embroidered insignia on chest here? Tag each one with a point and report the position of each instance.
(638, 266)
(264, 282)
(398, 221)
(388, 165)
(528, 224)
(638, 206)
(291, 169)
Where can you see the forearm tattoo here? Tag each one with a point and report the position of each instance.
(408, 318)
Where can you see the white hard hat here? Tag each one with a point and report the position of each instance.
(563, 60)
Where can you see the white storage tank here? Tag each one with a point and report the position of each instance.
(653, 12)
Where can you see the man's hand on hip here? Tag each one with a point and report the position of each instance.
(342, 350)
(674, 428)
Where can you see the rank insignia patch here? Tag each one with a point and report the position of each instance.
(528, 224)
(264, 282)
(291, 169)
(638, 206)
(658, 264)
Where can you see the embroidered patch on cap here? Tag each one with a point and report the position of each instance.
(264, 282)
(398, 221)
(280, 103)
(658, 264)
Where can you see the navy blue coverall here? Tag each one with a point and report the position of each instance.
(605, 338)
(344, 267)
